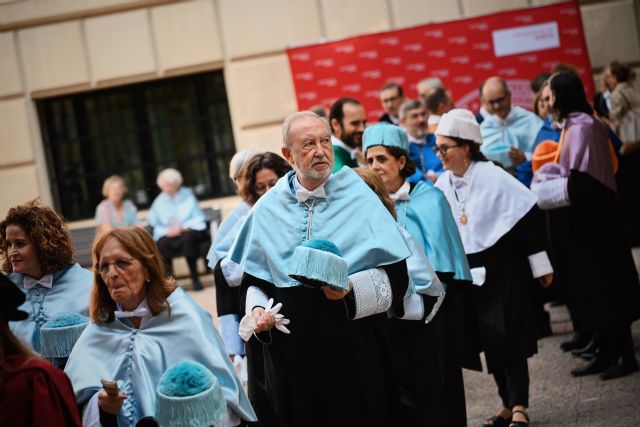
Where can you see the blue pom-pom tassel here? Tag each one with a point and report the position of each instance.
(66, 319)
(185, 379)
(189, 395)
(323, 245)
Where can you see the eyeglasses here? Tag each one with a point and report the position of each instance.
(442, 149)
(262, 188)
(497, 100)
(120, 265)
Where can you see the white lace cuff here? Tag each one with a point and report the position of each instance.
(372, 292)
(552, 193)
(540, 264)
(232, 272)
(255, 298)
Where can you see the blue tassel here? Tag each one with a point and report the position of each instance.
(188, 394)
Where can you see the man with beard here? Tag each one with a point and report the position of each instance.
(413, 117)
(348, 120)
(334, 368)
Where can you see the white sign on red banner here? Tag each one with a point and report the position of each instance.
(516, 45)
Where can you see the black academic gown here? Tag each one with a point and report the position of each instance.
(332, 375)
(498, 315)
(592, 257)
(228, 302)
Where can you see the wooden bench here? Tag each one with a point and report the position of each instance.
(82, 237)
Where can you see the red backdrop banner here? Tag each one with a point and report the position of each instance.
(516, 45)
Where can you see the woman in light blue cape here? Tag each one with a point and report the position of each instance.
(36, 250)
(432, 371)
(178, 223)
(141, 325)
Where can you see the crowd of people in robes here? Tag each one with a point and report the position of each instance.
(360, 273)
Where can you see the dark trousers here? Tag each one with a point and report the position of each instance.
(614, 343)
(187, 244)
(513, 384)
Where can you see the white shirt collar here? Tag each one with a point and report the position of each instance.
(302, 194)
(415, 140)
(352, 151)
(142, 311)
(402, 193)
(45, 281)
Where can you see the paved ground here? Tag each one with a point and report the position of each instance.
(557, 399)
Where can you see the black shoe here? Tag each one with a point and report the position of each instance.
(625, 366)
(597, 365)
(578, 340)
(589, 348)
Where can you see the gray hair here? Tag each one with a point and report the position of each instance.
(286, 138)
(170, 176)
(429, 83)
(240, 160)
(408, 105)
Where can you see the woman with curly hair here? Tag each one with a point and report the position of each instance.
(36, 252)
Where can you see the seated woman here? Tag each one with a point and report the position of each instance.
(178, 222)
(114, 211)
(141, 324)
(33, 393)
(36, 249)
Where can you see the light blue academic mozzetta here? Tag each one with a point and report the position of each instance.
(69, 293)
(425, 213)
(182, 207)
(137, 358)
(290, 222)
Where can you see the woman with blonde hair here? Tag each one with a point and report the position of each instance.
(114, 211)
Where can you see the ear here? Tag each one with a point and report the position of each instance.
(336, 127)
(403, 161)
(287, 155)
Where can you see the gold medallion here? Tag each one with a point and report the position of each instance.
(463, 218)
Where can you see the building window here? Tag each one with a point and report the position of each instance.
(136, 131)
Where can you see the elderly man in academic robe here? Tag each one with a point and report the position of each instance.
(334, 368)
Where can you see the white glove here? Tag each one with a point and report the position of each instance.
(248, 323)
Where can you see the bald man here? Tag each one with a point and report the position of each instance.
(510, 133)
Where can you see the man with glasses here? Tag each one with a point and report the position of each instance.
(391, 98)
(510, 133)
(413, 118)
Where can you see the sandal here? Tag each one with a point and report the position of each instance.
(520, 423)
(497, 421)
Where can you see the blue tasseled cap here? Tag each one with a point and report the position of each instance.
(186, 379)
(385, 134)
(189, 395)
(323, 245)
(59, 335)
(66, 319)
(317, 262)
